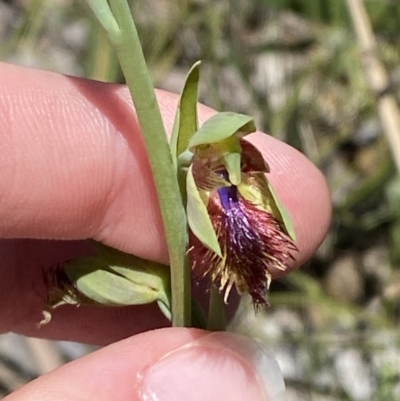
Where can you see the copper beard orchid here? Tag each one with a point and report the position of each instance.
(253, 231)
(239, 231)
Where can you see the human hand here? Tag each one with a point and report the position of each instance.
(74, 167)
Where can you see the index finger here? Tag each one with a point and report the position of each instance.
(74, 166)
(72, 153)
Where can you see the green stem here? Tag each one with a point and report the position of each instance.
(216, 311)
(116, 18)
(199, 319)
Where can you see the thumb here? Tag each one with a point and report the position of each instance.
(162, 365)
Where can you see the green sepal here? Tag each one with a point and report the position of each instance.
(285, 216)
(186, 124)
(255, 189)
(220, 127)
(258, 190)
(198, 217)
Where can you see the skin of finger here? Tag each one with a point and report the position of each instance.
(23, 294)
(72, 154)
(112, 373)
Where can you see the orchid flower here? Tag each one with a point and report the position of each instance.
(240, 231)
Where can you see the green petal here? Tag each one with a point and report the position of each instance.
(186, 124)
(220, 127)
(233, 166)
(198, 218)
(258, 190)
(254, 187)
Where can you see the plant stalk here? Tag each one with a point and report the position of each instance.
(116, 18)
(216, 312)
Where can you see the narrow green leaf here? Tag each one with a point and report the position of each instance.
(198, 218)
(127, 46)
(103, 13)
(222, 126)
(286, 219)
(186, 123)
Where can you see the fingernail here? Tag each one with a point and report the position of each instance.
(218, 366)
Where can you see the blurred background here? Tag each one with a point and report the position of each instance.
(300, 69)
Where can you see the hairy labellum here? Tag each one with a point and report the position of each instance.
(253, 242)
(240, 231)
